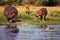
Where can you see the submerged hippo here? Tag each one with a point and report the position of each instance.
(11, 13)
(42, 13)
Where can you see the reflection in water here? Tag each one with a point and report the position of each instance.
(30, 32)
(47, 28)
(11, 31)
(12, 28)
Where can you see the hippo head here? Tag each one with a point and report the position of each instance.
(39, 13)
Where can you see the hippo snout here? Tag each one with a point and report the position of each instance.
(36, 16)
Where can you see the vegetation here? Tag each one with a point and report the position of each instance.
(32, 2)
(31, 18)
(53, 17)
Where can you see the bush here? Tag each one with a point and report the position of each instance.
(25, 16)
(33, 2)
(55, 13)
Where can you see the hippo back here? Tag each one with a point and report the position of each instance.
(44, 11)
(10, 12)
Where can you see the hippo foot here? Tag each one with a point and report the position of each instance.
(10, 21)
(14, 19)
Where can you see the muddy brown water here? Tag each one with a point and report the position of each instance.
(30, 32)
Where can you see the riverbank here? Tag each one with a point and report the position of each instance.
(53, 16)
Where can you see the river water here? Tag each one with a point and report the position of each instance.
(30, 32)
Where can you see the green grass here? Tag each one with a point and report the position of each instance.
(53, 17)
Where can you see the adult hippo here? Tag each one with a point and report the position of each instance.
(11, 13)
(42, 13)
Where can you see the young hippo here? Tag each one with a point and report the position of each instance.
(27, 10)
(11, 13)
(42, 13)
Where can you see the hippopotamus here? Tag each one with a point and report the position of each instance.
(27, 10)
(42, 13)
(11, 13)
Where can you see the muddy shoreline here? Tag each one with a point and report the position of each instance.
(17, 23)
(25, 23)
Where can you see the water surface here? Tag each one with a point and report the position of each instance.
(30, 32)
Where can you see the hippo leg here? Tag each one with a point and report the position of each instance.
(28, 12)
(44, 17)
(41, 17)
(14, 19)
(9, 19)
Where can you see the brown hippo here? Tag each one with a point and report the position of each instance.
(11, 13)
(42, 13)
(27, 10)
